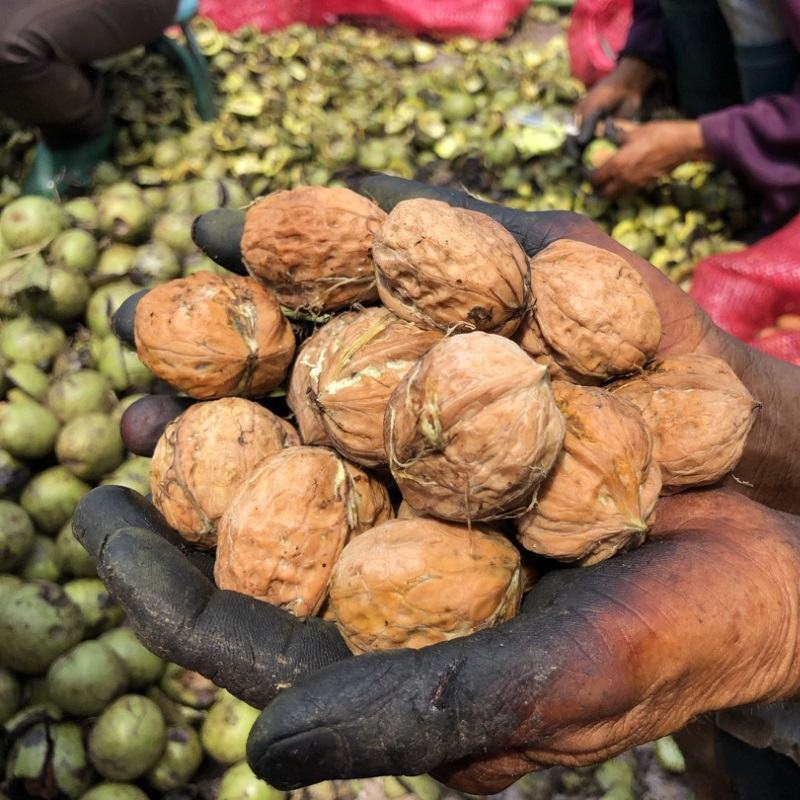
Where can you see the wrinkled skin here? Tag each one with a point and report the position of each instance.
(703, 616)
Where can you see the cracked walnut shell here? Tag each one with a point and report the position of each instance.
(593, 310)
(699, 413)
(311, 246)
(203, 457)
(416, 582)
(450, 269)
(288, 523)
(214, 336)
(601, 494)
(472, 429)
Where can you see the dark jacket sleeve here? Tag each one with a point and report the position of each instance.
(647, 38)
(760, 142)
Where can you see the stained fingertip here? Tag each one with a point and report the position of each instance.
(218, 234)
(124, 319)
(144, 421)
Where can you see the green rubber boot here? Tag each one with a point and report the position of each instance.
(60, 173)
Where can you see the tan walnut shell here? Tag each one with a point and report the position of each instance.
(205, 455)
(450, 269)
(311, 246)
(472, 429)
(699, 413)
(593, 310)
(303, 380)
(529, 338)
(601, 494)
(362, 364)
(213, 336)
(413, 583)
(288, 523)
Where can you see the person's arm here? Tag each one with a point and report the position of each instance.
(647, 39)
(761, 143)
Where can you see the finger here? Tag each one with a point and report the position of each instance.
(109, 507)
(144, 421)
(586, 132)
(218, 234)
(249, 647)
(124, 318)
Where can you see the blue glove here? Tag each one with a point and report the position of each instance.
(185, 11)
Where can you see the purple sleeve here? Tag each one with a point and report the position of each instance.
(761, 143)
(647, 38)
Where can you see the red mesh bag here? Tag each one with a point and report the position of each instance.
(746, 291)
(483, 19)
(597, 32)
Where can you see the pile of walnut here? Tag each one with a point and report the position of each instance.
(516, 406)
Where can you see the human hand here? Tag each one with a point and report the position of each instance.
(599, 660)
(619, 93)
(648, 151)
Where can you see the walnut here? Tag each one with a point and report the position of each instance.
(472, 429)
(699, 413)
(600, 496)
(450, 269)
(288, 523)
(304, 377)
(593, 310)
(362, 364)
(213, 336)
(413, 583)
(204, 456)
(311, 246)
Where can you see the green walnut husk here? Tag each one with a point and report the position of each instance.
(49, 760)
(115, 261)
(77, 355)
(73, 559)
(188, 688)
(100, 612)
(65, 298)
(127, 739)
(154, 263)
(80, 392)
(31, 221)
(27, 339)
(38, 622)
(16, 535)
(143, 667)
(133, 474)
(41, 562)
(241, 783)
(13, 474)
(175, 230)
(104, 303)
(35, 694)
(85, 679)
(82, 212)
(90, 445)
(226, 728)
(8, 583)
(114, 791)
(27, 429)
(28, 377)
(51, 496)
(181, 758)
(75, 250)
(124, 215)
(174, 713)
(10, 694)
(122, 366)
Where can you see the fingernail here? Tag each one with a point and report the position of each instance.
(302, 759)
